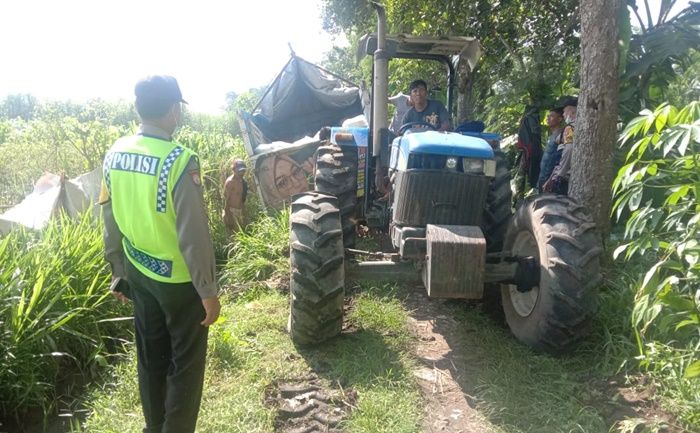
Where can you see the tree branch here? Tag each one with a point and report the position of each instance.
(635, 9)
(512, 52)
(650, 24)
(663, 18)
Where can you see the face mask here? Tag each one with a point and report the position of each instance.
(177, 122)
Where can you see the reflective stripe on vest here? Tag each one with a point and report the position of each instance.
(140, 174)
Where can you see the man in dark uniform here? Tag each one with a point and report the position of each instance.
(558, 181)
(555, 119)
(158, 244)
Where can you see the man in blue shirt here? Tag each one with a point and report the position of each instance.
(426, 110)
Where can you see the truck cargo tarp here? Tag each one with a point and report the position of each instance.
(303, 98)
(52, 194)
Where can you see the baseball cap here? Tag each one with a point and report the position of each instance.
(161, 88)
(565, 101)
(239, 165)
(557, 109)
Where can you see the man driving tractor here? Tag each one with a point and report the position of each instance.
(426, 110)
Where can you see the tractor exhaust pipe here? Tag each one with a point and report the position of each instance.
(381, 79)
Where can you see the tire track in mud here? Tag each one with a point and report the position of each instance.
(305, 405)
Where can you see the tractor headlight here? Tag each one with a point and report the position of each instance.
(451, 163)
(490, 167)
(473, 166)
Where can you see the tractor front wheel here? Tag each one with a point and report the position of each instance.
(317, 268)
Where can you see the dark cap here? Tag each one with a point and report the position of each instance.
(161, 88)
(239, 165)
(557, 109)
(566, 101)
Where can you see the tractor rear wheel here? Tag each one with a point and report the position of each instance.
(317, 268)
(336, 174)
(554, 315)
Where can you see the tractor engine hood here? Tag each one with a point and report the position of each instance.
(435, 143)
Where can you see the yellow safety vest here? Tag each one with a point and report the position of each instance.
(140, 174)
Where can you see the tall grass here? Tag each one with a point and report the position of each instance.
(216, 149)
(260, 252)
(55, 318)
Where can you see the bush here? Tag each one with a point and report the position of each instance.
(656, 195)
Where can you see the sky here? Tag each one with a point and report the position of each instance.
(82, 49)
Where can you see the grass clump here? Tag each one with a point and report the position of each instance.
(260, 251)
(54, 311)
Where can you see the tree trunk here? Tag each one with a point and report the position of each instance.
(465, 100)
(596, 117)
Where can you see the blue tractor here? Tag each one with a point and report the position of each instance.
(449, 218)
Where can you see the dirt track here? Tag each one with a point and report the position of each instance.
(450, 359)
(442, 346)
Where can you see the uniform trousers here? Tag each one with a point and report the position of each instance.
(171, 348)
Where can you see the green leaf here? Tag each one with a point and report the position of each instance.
(677, 302)
(649, 120)
(685, 141)
(677, 194)
(689, 113)
(693, 370)
(669, 140)
(619, 250)
(633, 128)
(650, 274)
(639, 147)
(636, 199)
(694, 320)
(694, 220)
(662, 117)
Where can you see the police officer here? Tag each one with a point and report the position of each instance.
(158, 244)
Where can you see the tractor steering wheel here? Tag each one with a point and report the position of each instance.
(409, 125)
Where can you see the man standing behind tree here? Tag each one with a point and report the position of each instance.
(555, 118)
(426, 110)
(158, 243)
(558, 182)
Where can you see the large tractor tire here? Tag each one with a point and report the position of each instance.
(317, 268)
(494, 223)
(499, 206)
(336, 174)
(553, 316)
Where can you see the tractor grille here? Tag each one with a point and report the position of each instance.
(424, 197)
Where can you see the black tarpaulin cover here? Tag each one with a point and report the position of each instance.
(302, 99)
